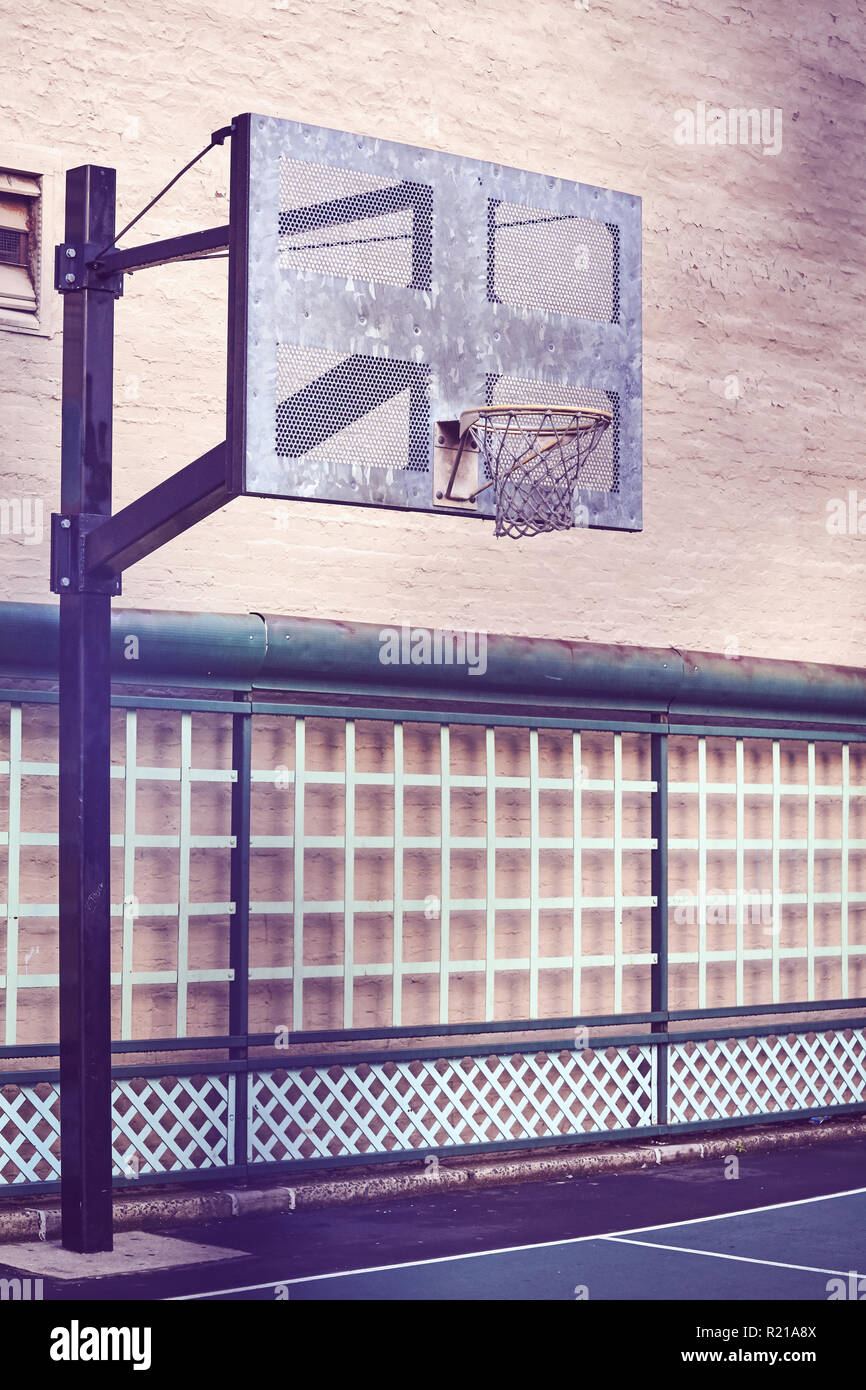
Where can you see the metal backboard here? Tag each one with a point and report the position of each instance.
(379, 290)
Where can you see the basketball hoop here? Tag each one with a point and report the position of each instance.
(534, 455)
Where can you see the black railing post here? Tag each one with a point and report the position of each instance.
(85, 730)
(659, 921)
(239, 931)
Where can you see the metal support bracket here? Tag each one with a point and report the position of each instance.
(455, 460)
(72, 272)
(69, 571)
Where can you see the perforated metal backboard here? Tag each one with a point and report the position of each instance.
(379, 290)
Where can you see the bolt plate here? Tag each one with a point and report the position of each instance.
(445, 444)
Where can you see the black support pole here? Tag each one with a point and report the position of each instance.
(85, 711)
(659, 1001)
(239, 930)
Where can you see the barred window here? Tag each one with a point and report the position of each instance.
(19, 241)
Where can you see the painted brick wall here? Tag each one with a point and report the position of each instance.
(754, 286)
(753, 296)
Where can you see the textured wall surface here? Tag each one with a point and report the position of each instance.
(754, 287)
(753, 300)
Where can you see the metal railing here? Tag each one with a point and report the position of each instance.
(426, 1049)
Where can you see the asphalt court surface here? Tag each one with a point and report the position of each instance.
(792, 1220)
(781, 1253)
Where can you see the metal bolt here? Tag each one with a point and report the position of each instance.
(64, 583)
(65, 523)
(70, 251)
(70, 278)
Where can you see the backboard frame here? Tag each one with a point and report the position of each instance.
(445, 338)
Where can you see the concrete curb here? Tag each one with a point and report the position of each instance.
(181, 1207)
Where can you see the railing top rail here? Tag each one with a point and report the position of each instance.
(267, 653)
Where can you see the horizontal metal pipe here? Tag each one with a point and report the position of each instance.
(315, 654)
(180, 649)
(272, 652)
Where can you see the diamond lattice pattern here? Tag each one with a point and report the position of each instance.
(380, 1107)
(724, 1078)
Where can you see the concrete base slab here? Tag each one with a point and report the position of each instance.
(134, 1252)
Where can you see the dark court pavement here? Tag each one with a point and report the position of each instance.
(783, 1252)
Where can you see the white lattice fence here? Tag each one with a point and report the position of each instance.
(29, 1133)
(173, 1124)
(355, 1108)
(726, 1078)
(161, 1125)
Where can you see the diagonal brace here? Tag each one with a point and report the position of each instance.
(158, 516)
(188, 247)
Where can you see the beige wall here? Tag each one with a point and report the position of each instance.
(753, 271)
(752, 268)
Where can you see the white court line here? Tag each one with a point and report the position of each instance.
(717, 1255)
(511, 1249)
